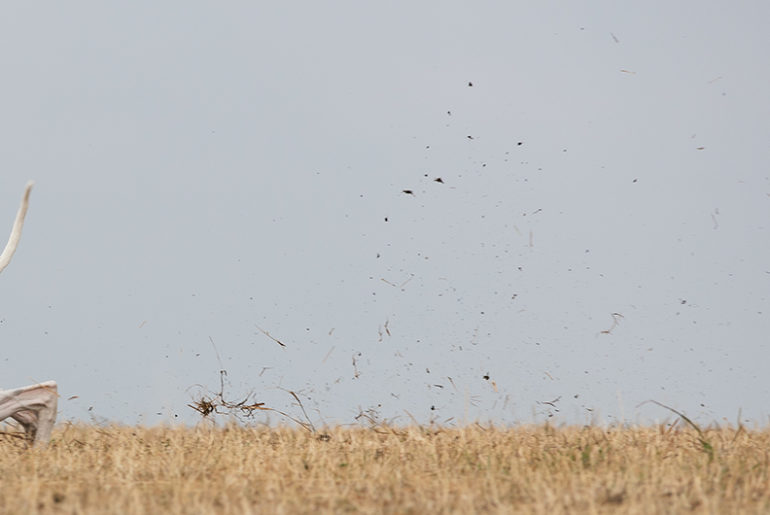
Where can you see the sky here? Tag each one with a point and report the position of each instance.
(212, 180)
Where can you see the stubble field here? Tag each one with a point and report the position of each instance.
(476, 469)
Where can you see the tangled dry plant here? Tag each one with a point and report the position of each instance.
(216, 404)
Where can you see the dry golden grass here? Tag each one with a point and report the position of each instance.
(534, 469)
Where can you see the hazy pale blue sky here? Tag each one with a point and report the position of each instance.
(206, 170)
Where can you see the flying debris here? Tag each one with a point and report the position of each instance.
(470, 137)
(438, 179)
(553, 402)
(276, 340)
(470, 84)
(356, 373)
(614, 37)
(615, 322)
(408, 192)
(453, 384)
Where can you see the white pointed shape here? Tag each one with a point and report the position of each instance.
(18, 224)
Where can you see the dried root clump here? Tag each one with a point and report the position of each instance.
(217, 404)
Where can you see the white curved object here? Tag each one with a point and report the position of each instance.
(13, 241)
(34, 407)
